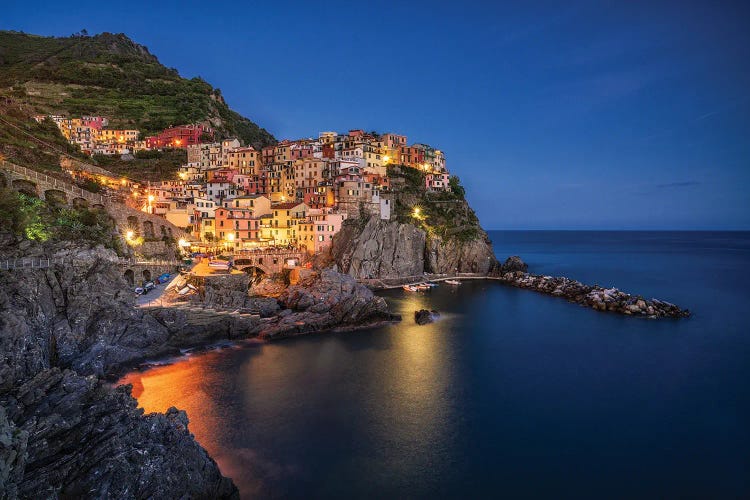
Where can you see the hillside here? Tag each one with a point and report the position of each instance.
(110, 75)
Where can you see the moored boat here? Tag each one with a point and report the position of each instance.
(452, 282)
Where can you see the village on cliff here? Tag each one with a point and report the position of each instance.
(294, 194)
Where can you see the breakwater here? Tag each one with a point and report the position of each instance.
(594, 296)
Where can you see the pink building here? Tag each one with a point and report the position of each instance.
(437, 182)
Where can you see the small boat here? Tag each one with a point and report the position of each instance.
(452, 282)
(409, 288)
(422, 286)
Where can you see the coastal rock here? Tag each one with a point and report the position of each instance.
(87, 440)
(79, 316)
(596, 297)
(450, 256)
(327, 300)
(513, 264)
(425, 316)
(379, 249)
(62, 431)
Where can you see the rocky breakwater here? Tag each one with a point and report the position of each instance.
(325, 301)
(514, 273)
(64, 432)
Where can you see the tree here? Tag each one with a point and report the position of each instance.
(455, 184)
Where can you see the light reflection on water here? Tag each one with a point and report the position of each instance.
(510, 392)
(243, 390)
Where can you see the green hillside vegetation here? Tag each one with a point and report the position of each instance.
(445, 214)
(146, 165)
(110, 75)
(26, 142)
(38, 220)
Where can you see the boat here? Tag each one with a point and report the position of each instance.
(422, 286)
(409, 288)
(452, 282)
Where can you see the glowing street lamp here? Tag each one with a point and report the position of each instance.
(417, 211)
(129, 235)
(386, 159)
(150, 199)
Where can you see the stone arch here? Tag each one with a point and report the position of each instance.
(163, 231)
(80, 203)
(97, 206)
(56, 196)
(3, 181)
(25, 187)
(133, 224)
(148, 229)
(146, 275)
(129, 276)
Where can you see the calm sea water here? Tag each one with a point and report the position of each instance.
(511, 393)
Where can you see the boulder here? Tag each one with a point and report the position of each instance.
(424, 316)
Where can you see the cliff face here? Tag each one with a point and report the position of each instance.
(389, 250)
(68, 433)
(448, 256)
(379, 249)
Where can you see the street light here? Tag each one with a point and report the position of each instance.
(150, 199)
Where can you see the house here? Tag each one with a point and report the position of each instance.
(181, 136)
(282, 226)
(316, 232)
(239, 222)
(437, 182)
(257, 204)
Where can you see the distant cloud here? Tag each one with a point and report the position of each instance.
(679, 184)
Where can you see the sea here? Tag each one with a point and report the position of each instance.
(510, 394)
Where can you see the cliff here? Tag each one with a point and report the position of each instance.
(63, 432)
(381, 249)
(429, 231)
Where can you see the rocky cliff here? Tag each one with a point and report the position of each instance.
(63, 432)
(381, 249)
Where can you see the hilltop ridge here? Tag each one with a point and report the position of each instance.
(111, 75)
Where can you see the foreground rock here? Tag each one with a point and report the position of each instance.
(65, 433)
(596, 297)
(88, 440)
(424, 316)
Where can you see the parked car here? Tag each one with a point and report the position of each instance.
(139, 291)
(148, 286)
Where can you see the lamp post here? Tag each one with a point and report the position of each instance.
(150, 200)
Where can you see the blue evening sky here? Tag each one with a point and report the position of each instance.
(556, 115)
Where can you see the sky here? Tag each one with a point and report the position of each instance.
(555, 115)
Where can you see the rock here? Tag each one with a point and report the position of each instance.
(513, 264)
(327, 300)
(88, 440)
(424, 316)
(391, 250)
(596, 297)
(379, 249)
(63, 432)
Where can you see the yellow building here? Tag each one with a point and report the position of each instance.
(117, 136)
(282, 224)
(245, 160)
